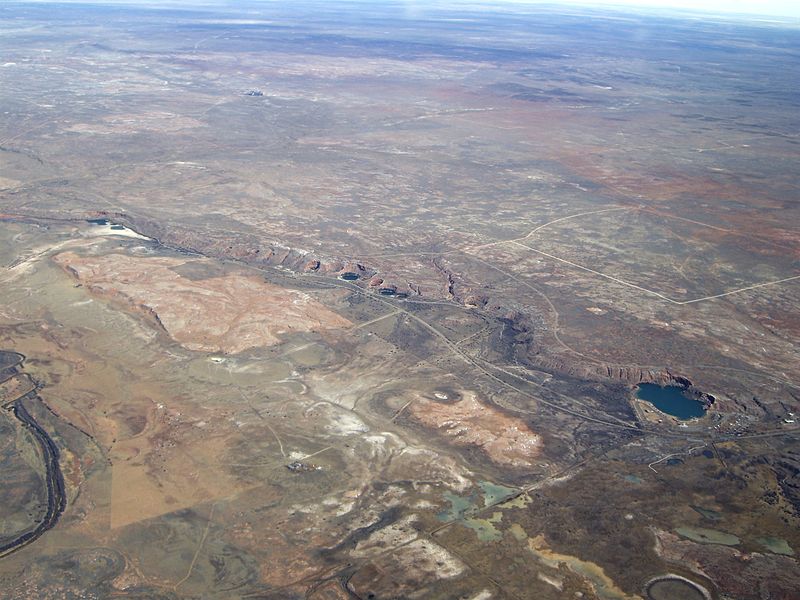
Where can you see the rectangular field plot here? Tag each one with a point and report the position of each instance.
(666, 256)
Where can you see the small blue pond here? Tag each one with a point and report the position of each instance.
(671, 400)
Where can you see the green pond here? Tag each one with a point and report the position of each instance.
(671, 400)
(707, 536)
(493, 493)
(459, 507)
(776, 545)
(462, 506)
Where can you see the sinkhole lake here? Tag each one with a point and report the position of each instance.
(671, 400)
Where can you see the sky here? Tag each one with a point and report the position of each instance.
(777, 8)
(784, 8)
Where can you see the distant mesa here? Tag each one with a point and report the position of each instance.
(254, 93)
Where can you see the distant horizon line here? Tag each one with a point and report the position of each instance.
(780, 11)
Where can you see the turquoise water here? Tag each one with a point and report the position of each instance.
(459, 506)
(493, 493)
(708, 536)
(776, 545)
(671, 400)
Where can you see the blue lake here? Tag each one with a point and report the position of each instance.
(671, 400)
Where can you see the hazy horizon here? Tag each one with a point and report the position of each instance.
(764, 8)
(777, 8)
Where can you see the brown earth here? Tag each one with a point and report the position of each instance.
(505, 440)
(15, 387)
(739, 574)
(229, 314)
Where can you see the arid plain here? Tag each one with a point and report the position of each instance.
(346, 301)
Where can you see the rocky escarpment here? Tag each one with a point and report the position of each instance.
(450, 282)
(530, 341)
(245, 247)
(527, 336)
(625, 374)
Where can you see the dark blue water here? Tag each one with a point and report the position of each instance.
(671, 400)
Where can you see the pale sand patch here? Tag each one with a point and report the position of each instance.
(131, 123)
(6, 183)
